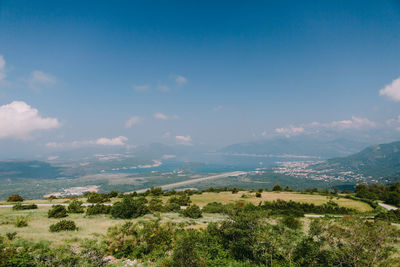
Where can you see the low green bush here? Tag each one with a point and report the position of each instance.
(97, 197)
(129, 207)
(20, 206)
(76, 207)
(98, 209)
(193, 212)
(21, 221)
(63, 225)
(57, 211)
(11, 235)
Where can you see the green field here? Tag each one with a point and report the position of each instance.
(92, 226)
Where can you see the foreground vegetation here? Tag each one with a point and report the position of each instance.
(217, 227)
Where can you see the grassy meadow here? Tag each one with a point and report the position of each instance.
(93, 226)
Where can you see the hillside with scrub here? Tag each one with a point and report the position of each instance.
(213, 227)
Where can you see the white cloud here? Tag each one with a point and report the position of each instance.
(161, 116)
(218, 108)
(184, 140)
(132, 121)
(164, 88)
(394, 123)
(117, 141)
(52, 158)
(354, 123)
(180, 80)
(2, 69)
(141, 88)
(18, 120)
(289, 131)
(40, 79)
(103, 141)
(392, 90)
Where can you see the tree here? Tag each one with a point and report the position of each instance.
(155, 204)
(277, 187)
(185, 253)
(76, 207)
(193, 212)
(15, 198)
(129, 208)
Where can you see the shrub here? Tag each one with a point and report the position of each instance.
(182, 200)
(76, 207)
(129, 208)
(172, 207)
(156, 204)
(57, 211)
(21, 221)
(291, 222)
(151, 240)
(98, 209)
(15, 198)
(63, 225)
(156, 191)
(20, 206)
(113, 193)
(193, 212)
(11, 235)
(277, 187)
(214, 207)
(258, 194)
(97, 198)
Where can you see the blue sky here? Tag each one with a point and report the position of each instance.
(196, 73)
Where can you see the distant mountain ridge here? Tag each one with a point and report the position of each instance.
(298, 146)
(377, 161)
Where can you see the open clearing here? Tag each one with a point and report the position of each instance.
(92, 226)
(228, 197)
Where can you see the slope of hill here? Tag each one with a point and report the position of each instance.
(298, 146)
(28, 169)
(376, 161)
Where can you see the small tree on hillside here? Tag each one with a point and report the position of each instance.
(15, 198)
(277, 187)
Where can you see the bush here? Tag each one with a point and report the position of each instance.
(172, 207)
(156, 191)
(182, 200)
(258, 194)
(193, 212)
(20, 206)
(129, 208)
(291, 222)
(63, 225)
(98, 209)
(57, 211)
(113, 193)
(150, 239)
(156, 204)
(76, 207)
(214, 207)
(21, 221)
(15, 198)
(97, 198)
(11, 235)
(277, 187)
